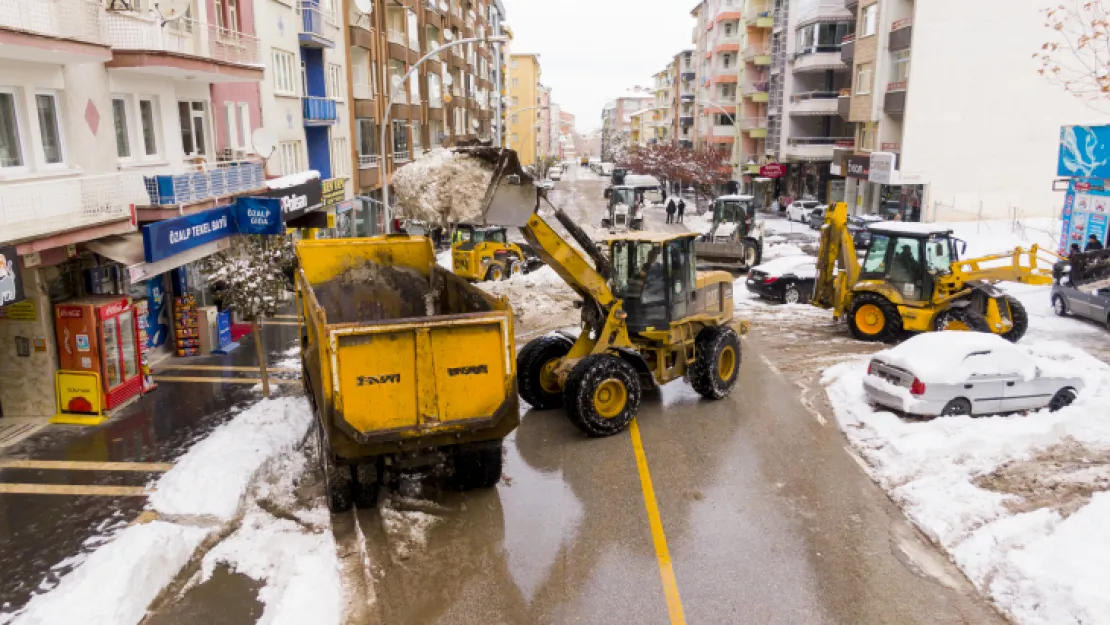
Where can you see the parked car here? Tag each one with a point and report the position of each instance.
(965, 373)
(817, 217)
(861, 236)
(800, 209)
(555, 174)
(1093, 305)
(548, 184)
(788, 279)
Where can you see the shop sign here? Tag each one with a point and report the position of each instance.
(883, 168)
(11, 282)
(858, 167)
(163, 239)
(332, 191)
(1084, 152)
(1086, 213)
(298, 199)
(23, 311)
(259, 215)
(772, 170)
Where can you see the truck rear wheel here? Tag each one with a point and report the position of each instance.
(338, 480)
(602, 395)
(873, 317)
(717, 367)
(477, 468)
(535, 365)
(365, 481)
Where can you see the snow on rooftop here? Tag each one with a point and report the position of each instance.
(292, 180)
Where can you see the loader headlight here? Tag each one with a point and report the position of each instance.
(485, 261)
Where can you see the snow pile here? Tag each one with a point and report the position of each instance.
(117, 582)
(1009, 498)
(442, 186)
(212, 478)
(406, 530)
(540, 300)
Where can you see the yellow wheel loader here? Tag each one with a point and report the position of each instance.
(648, 316)
(912, 280)
(480, 254)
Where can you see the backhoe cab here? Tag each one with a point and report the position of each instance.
(912, 280)
(484, 253)
(736, 239)
(624, 212)
(648, 317)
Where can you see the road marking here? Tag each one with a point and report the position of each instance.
(293, 317)
(73, 489)
(222, 368)
(662, 554)
(174, 378)
(769, 364)
(76, 465)
(283, 323)
(859, 461)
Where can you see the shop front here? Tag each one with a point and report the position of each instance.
(875, 186)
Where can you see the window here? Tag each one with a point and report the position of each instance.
(340, 157)
(400, 136)
(435, 91)
(876, 255)
(516, 118)
(150, 131)
(119, 116)
(233, 15)
(728, 29)
(435, 133)
(516, 82)
(417, 138)
(367, 141)
(245, 126)
(285, 73)
(290, 157)
(869, 19)
(374, 78)
(516, 139)
(863, 79)
(514, 64)
(900, 66)
(49, 128)
(220, 14)
(191, 116)
(232, 126)
(516, 101)
(11, 150)
(867, 136)
(335, 82)
(414, 31)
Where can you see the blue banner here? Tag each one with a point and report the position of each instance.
(1086, 213)
(259, 215)
(163, 239)
(1084, 152)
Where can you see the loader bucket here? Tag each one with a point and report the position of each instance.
(512, 196)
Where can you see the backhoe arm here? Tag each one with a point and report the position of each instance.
(571, 265)
(1032, 266)
(837, 262)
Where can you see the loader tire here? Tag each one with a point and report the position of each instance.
(338, 480)
(1020, 318)
(495, 273)
(717, 367)
(365, 479)
(962, 320)
(477, 468)
(873, 317)
(602, 395)
(534, 384)
(753, 252)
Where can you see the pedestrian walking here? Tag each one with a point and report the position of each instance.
(1093, 244)
(664, 190)
(681, 209)
(671, 208)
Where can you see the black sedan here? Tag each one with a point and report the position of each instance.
(789, 279)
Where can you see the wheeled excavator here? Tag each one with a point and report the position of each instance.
(913, 280)
(648, 316)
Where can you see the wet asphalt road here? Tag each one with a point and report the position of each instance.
(767, 519)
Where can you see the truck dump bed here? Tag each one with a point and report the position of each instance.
(397, 348)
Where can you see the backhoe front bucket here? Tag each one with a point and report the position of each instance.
(512, 196)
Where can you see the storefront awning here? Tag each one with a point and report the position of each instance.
(127, 250)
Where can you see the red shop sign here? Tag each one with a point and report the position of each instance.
(772, 170)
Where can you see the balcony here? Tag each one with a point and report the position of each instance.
(759, 55)
(214, 182)
(844, 104)
(894, 102)
(754, 127)
(689, 75)
(758, 91)
(33, 210)
(822, 11)
(318, 111)
(819, 59)
(685, 120)
(815, 103)
(901, 34)
(367, 160)
(315, 22)
(687, 96)
(848, 49)
(759, 15)
(362, 91)
(53, 31)
(815, 148)
(184, 49)
(400, 157)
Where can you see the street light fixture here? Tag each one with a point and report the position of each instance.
(389, 110)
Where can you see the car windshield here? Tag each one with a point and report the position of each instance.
(631, 262)
(810, 204)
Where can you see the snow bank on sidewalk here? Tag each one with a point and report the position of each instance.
(539, 299)
(996, 493)
(212, 478)
(117, 582)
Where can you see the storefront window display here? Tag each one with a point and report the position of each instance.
(900, 202)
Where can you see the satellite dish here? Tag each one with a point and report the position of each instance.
(448, 35)
(448, 79)
(474, 124)
(170, 10)
(264, 142)
(366, 7)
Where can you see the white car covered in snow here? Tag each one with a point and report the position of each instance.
(966, 373)
(800, 210)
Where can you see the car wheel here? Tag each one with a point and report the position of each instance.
(1059, 306)
(958, 407)
(791, 295)
(1062, 399)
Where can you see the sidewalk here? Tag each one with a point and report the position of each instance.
(77, 484)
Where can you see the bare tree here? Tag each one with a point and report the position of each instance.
(1076, 55)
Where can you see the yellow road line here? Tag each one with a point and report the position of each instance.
(662, 554)
(222, 368)
(76, 465)
(293, 317)
(74, 489)
(215, 380)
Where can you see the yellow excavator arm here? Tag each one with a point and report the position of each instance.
(837, 263)
(1032, 266)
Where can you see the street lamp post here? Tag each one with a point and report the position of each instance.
(389, 111)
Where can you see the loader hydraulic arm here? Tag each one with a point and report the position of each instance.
(567, 261)
(837, 262)
(1032, 266)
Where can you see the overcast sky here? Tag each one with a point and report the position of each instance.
(592, 51)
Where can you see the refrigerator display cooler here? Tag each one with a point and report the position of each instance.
(101, 334)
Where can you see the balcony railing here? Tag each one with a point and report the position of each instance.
(751, 123)
(397, 37)
(41, 208)
(751, 52)
(313, 19)
(129, 31)
(823, 9)
(69, 19)
(401, 156)
(757, 11)
(367, 160)
(752, 88)
(215, 181)
(320, 110)
(363, 91)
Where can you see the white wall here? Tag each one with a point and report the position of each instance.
(981, 124)
(277, 25)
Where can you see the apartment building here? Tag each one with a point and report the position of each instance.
(920, 151)
(685, 95)
(754, 75)
(717, 38)
(663, 123)
(524, 102)
(616, 119)
(543, 132)
(452, 97)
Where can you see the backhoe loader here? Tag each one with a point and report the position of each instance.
(480, 254)
(912, 280)
(648, 317)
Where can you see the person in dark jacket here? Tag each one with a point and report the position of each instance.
(681, 209)
(1093, 244)
(1074, 249)
(671, 208)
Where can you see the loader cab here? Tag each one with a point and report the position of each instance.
(909, 257)
(655, 276)
(623, 213)
(735, 209)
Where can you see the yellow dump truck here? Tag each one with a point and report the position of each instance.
(408, 366)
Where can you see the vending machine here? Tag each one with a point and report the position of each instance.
(101, 334)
